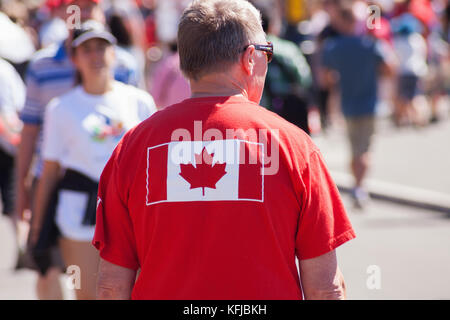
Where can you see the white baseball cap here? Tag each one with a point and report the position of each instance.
(91, 29)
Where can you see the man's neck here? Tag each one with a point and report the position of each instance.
(217, 85)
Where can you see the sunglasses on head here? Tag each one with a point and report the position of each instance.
(267, 48)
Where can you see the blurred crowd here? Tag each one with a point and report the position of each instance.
(417, 31)
(333, 59)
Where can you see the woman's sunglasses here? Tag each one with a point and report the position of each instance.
(267, 48)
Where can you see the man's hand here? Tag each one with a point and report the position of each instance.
(321, 278)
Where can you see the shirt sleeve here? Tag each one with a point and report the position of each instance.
(146, 106)
(34, 109)
(114, 236)
(126, 68)
(323, 223)
(53, 144)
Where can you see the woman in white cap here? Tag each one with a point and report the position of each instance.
(81, 130)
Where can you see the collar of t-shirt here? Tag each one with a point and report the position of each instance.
(219, 100)
(96, 98)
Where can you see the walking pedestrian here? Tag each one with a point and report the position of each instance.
(51, 73)
(359, 61)
(289, 78)
(411, 49)
(81, 129)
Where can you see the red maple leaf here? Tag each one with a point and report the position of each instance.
(204, 174)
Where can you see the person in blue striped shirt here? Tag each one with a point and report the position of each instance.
(51, 73)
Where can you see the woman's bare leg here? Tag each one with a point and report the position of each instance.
(83, 255)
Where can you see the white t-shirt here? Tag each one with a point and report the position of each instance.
(80, 132)
(53, 31)
(412, 54)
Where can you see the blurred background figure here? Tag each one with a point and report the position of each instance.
(411, 50)
(50, 74)
(127, 25)
(289, 79)
(18, 40)
(54, 30)
(166, 83)
(329, 31)
(91, 119)
(437, 82)
(169, 86)
(358, 62)
(12, 99)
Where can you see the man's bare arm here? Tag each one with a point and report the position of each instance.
(321, 278)
(114, 282)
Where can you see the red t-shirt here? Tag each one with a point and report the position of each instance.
(223, 213)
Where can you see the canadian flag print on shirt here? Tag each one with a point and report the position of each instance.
(219, 170)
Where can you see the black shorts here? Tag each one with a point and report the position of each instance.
(408, 86)
(7, 182)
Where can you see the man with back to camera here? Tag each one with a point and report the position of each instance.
(215, 197)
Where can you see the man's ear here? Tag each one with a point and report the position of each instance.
(248, 60)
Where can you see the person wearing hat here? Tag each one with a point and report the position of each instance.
(51, 73)
(81, 130)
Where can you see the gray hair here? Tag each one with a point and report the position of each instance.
(213, 33)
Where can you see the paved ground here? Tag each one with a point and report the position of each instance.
(411, 248)
(18, 285)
